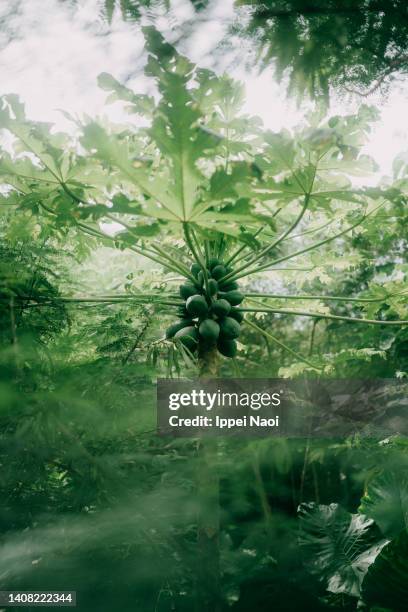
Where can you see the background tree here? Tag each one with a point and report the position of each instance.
(352, 46)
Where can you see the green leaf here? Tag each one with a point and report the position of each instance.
(140, 104)
(341, 545)
(223, 183)
(114, 152)
(146, 230)
(122, 204)
(178, 124)
(386, 502)
(33, 136)
(386, 582)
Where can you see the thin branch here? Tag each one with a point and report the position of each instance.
(394, 64)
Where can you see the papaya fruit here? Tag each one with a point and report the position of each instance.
(195, 269)
(173, 329)
(200, 278)
(220, 308)
(213, 261)
(226, 347)
(212, 286)
(209, 330)
(218, 271)
(236, 314)
(186, 290)
(188, 336)
(229, 328)
(233, 297)
(229, 286)
(197, 306)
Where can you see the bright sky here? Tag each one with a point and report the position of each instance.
(56, 52)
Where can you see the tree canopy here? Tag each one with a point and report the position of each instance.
(356, 46)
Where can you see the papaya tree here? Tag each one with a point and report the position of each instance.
(232, 214)
(207, 194)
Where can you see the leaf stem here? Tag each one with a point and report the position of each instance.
(318, 315)
(236, 274)
(197, 255)
(202, 261)
(241, 248)
(282, 345)
(335, 298)
(305, 250)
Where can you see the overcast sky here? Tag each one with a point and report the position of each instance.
(52, 53)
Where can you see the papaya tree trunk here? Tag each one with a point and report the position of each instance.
(208, 591)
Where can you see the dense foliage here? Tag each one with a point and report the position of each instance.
(355, 46)
(100, 228)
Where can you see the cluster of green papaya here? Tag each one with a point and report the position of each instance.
(209, 317)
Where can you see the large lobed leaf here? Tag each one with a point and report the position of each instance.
(386, 582)
(386, 502)
(341, 545)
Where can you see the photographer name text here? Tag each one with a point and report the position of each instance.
(204, 422)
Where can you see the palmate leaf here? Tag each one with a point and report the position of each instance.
(177, 126)
(341, 545)
(386, 502)
(34, 137)
(386, 582)
(139, 103)
(182, 179)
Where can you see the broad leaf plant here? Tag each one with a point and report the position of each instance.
(194, 183)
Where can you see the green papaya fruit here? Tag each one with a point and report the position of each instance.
(236, 314)
(233, 297)
(213, 261)
(220, 308)
(195, 269)
(187, 289)
(197, 306)
(209, 330)
(229, 286)
(218, 272)
(229, 328)
(226, 347)
(212, 286)
(188, 336)
(173, 329)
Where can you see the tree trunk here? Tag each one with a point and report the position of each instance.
(208, 597)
